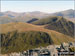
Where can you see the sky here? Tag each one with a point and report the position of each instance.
(42, 6)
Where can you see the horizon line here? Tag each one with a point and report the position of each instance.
(36, 11)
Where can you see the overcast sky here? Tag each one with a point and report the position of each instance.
(43, 6)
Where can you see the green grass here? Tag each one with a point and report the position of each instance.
(16, 42)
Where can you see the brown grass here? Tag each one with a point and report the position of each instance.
(22, 27)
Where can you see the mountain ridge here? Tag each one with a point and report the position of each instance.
(26, 16)
(57, 23)
(23, 27)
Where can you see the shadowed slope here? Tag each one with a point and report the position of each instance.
(16, 42)
(59, 24)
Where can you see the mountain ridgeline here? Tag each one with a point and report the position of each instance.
(67, 13)
(16, 42)
(27, 16)
(57, 23)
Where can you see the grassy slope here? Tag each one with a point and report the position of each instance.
(16, 42)
(22, 27)
(59, 24)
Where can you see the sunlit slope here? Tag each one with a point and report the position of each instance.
(23, 27)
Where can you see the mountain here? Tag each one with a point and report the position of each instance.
(41, 29)
(57, 23)
(67, 13)
(27, 16)
(21, 36)
(23, 27)
(9, 14)
(20, 17)
(35, 14)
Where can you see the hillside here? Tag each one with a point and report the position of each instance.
(57, 23)
(16, 42)
(23, 27)
(6, 19)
